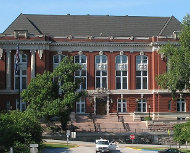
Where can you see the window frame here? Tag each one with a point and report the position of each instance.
(60, 58)
(121, 77)
(81, 102)
(80, 71)
(142, 101)
(101, 76)
(122, 102)
(20, 73)
(142, 76)
(182, 105)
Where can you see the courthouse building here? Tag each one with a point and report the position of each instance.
(119, 55)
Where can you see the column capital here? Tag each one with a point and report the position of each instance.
(8, 51)
(33, 51)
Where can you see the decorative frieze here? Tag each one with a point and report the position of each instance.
(59, 52)
(141, 53)
(121, 53)
(142, 67)
(101, 67)
(101, 53)
(122, 67)
(80, 53)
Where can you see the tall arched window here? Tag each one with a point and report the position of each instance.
(121, 66)
(101, 71)
(21, 74)
(57, 59)
(141, 72)
(81, 74)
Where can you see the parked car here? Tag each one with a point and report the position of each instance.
(170, 151)
(102, 145)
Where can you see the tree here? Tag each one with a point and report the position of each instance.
(53, 94)
(178, 62)
(182, 132)
(19, 130)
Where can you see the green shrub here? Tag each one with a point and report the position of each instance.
(148, 119)
(19, 130)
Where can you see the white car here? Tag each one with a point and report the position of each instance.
(102, 145)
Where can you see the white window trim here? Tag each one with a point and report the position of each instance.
(22, 67)
(142, 72)
(84, 68)
(141, 102)
(121, 77)
(181, 100)
(81, 102)
(122, 103)
(101, 77)
(59, 60)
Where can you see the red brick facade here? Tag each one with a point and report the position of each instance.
(156, 100)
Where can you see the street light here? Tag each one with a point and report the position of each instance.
(149, 110)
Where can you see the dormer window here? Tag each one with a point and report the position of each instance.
(20, 34)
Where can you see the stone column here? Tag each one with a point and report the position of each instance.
(108, 104)
(33, 62)
(8, 69)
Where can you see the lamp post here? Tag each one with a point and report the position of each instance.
(149, 111)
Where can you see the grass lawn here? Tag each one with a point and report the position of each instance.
(151, 148)
(57, 145)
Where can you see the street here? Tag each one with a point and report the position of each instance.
(87, 147)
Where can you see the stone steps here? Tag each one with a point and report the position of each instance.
(108, 123)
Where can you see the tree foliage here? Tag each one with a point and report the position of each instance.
(53, 93)
(182, 132)
(19, 130)
(178, 62)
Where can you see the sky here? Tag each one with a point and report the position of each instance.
(10, 9)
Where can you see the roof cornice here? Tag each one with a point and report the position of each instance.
(100, 44)
(161, 43)
(24, 42)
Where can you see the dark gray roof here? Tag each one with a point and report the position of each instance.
(90, 25)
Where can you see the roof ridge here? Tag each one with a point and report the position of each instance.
(32, 24)
(164, 27)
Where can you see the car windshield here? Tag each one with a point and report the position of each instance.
(103, 142)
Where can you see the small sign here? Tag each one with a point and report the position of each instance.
(73, 135)
(33, 145)
(132, 136)
(68, 133)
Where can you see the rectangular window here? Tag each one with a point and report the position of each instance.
(121, 105)
(142, 105)
(169, 105)
(80, 106)
(181, 105)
